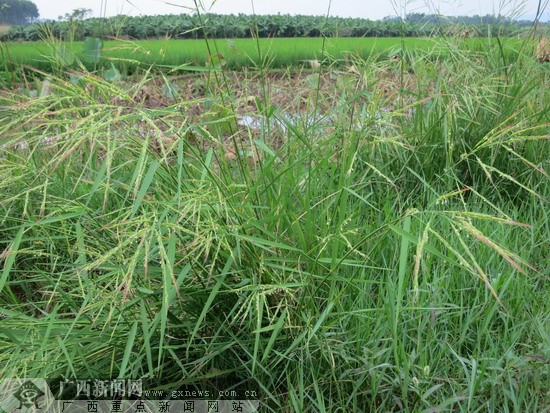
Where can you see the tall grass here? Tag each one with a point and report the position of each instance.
(394, 258)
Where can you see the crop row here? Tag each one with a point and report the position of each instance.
(126, 56)
(186, 26)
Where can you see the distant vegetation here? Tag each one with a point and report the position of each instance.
(17, 11)
(185, 26)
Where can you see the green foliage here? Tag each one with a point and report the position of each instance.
(170, 89)
(112, 74)
(381, 248)
(92, 50)
(194, 26)
(17, 11)
(127, 56)
(64, 56)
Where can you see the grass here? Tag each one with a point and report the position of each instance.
(392, 259)
(237, 53)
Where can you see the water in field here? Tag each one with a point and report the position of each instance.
(286, 122)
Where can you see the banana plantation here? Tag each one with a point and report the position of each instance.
(195, 26)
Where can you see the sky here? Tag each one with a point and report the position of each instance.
(369, 9)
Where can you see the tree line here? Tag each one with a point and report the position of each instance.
(192, 26)
(17, 11)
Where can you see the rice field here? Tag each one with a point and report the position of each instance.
(278, 53)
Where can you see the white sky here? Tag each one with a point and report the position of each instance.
(371, 9)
